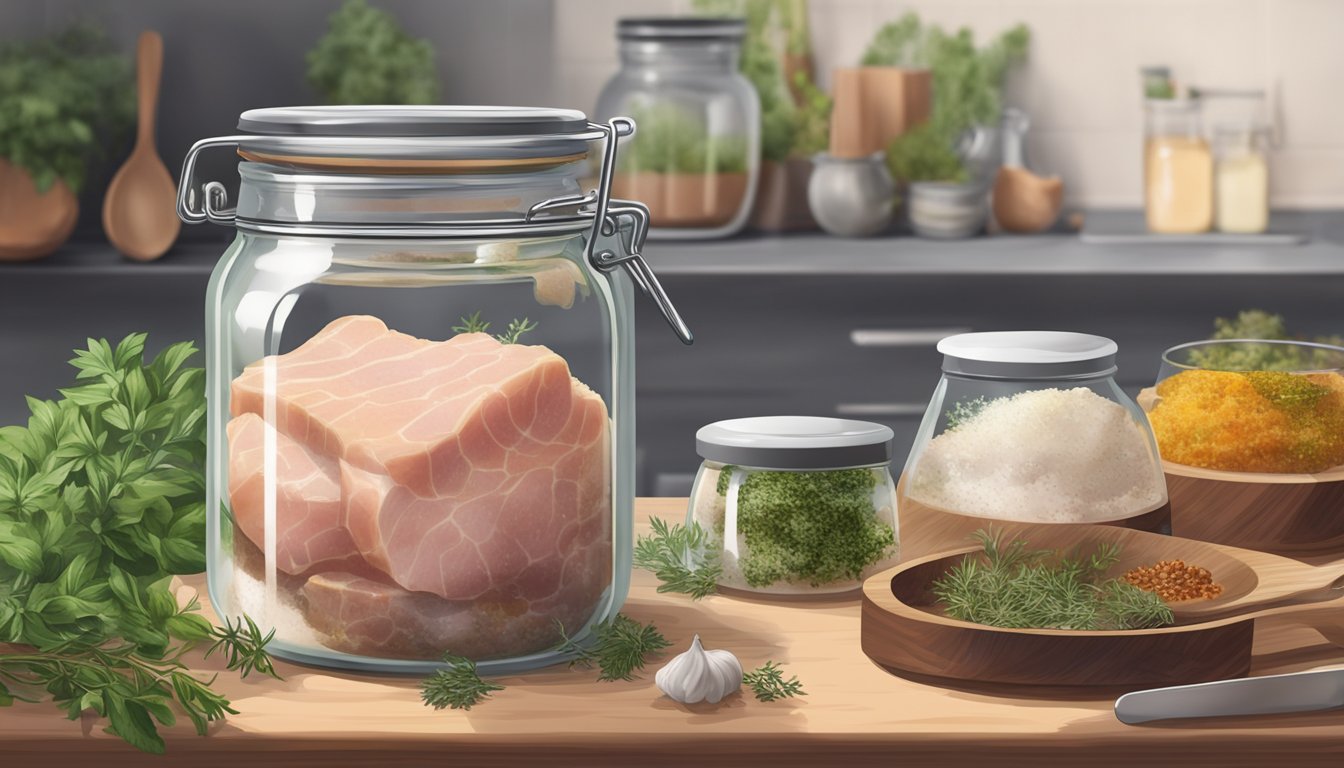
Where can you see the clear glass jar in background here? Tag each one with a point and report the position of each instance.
(1241, 192)
(796, 505)
(1178, 168)
(390, 478)
(1028, 427)
(694, 160)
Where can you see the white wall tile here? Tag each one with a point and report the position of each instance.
(1306, 66)
(1080, 85)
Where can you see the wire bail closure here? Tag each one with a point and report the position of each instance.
(616, 238)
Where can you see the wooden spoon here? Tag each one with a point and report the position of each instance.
(903, 628)
(140, 210)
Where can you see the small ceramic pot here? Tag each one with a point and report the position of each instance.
(852, 197)
(947, 211)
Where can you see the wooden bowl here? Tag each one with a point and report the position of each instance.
(924, 530)
(1290, 514)
(903, 631)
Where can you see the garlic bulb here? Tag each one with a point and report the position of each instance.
(700, 675)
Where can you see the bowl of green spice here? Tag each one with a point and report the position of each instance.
(795, 505)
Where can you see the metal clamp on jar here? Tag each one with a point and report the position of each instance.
(420, 356)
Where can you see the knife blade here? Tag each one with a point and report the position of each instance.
(1273, 694)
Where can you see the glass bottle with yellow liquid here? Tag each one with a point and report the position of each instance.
(1178, 168)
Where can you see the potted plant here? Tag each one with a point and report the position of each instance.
(62, 98)
(949, 161)
(367, 58)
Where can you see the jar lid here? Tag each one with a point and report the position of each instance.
(373, 135)
(795, 442)
(680, 28)
(1028, 355)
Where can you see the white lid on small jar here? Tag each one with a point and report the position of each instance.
(1028, 355)
(795, 442)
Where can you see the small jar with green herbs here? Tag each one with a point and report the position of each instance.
(796, 505)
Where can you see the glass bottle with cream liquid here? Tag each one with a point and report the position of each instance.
(1178, 168)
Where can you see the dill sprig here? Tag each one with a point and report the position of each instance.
(680, 557)
(1016, 587)
(618, 646)
(457, 686)
(768, 683)
(515, 330)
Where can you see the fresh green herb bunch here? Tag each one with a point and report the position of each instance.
(100, 503)
(768, 684)
(367, 58)
(63, 99)
(1016, 587)
(619, 646)
(814, 527)
(670, 140)
(682, 557)
(458, 686)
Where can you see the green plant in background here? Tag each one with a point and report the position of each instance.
(787, 130)
(62, 100)
(924, 154)
(672, 141)
(101, 502)
(811, 119)
(814, 527)
(367, 58)
(967, 88)
(1259, 324)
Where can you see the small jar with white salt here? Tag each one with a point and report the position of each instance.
(1026, 429)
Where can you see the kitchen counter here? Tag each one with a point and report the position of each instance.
(855, 713)
(1055, 253)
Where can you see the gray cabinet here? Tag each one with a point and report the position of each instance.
(768, 340)
(863, 347)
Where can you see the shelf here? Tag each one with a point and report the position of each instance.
(814, 254)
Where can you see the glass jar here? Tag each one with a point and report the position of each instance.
(694, 162)
(420, 385)
(796, 505)
(1241, 405)
(1178, 168)
(1242, 193)
(1028, 427)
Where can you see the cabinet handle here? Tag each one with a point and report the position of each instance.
(881, 409)
(901, 337)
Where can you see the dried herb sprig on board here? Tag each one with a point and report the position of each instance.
(458, 686)
(680, 557)
(618, 647)
(768, 683)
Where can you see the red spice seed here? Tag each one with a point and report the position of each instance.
(1174, 581)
